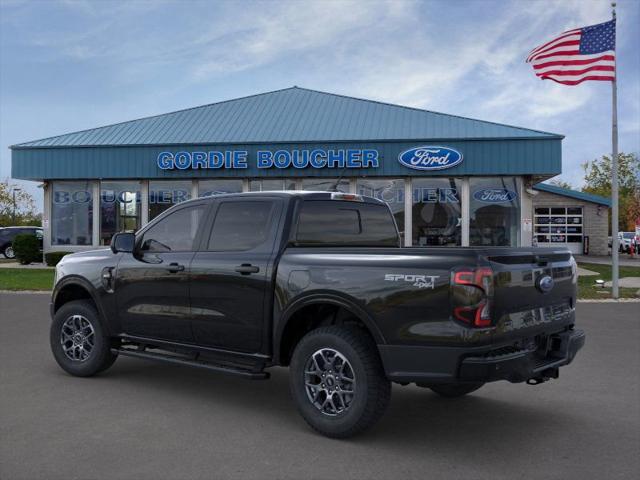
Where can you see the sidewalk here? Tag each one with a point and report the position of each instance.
(32, 266)
(624, 260)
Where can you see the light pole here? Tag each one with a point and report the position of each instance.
(14, 203)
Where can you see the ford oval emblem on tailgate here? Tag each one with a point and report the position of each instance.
(544, 283)
(430, 158)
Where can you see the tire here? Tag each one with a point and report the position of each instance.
(453, 390)
(357, 368)
(87, 346)
(8, 252)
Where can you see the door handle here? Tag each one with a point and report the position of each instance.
(175, 267)
(247, 269)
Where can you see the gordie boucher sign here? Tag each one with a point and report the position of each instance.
(418, 158)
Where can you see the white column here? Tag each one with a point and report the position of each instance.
(408, 217)
(245, 184)
(95, 187)
(144, 202)
(526, 213)
(194, 188)
(466, 217)
(46, 216)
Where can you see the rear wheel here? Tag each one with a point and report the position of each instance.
(337, 381)
(8, 252)
(78, 341)
(453, 390)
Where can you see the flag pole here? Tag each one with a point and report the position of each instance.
(614, 176)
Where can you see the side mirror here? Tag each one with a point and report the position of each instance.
(123, 242)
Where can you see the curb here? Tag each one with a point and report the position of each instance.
(26, 292)
(609, 300)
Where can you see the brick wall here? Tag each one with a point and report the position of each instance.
(594, 226)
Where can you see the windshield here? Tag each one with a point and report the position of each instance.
(628, 234)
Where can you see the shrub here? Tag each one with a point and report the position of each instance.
(27, 248)
(52, 258)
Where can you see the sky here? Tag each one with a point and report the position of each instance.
(72, 65)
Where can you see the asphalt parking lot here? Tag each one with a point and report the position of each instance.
(147, 420)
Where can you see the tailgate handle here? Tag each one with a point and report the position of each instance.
(540, 260)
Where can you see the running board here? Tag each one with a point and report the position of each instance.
(248, 374)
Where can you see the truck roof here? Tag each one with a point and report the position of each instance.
(307, 195)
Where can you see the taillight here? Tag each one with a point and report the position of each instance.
(474, 289)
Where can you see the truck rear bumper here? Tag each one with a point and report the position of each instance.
(427, 364)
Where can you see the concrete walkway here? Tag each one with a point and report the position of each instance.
(626, 282)
(624, 260)
(31, 266)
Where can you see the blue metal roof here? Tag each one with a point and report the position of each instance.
(289, 116)
(565, 192)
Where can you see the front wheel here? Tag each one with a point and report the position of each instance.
(8, 252)
(78, 341)
(337, 381)
(453, 390)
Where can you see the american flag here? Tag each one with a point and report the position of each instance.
(587, 53)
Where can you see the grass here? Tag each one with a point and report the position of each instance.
(26, 279)
(586, 284)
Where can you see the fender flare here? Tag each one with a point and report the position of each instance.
(75, 280)
(315, 298)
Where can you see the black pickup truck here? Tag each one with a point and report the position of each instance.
(316, 281)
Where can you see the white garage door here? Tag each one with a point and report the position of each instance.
(558, 226)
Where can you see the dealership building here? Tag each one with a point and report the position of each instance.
(449, 180)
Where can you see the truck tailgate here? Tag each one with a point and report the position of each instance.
(535, 291)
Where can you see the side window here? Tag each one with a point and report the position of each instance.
(331, 222)
(240, 226)
(174, 233)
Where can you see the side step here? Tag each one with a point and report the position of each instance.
(241, 372)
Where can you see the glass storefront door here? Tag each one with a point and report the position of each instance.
(119, 208)
(436, 214)
(494, 210)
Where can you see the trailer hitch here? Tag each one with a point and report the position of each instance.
(544, 376)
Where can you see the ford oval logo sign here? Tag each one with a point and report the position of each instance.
(544, 283)
(430, 158)
(495, 195)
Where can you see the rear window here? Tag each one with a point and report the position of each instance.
(335, 222)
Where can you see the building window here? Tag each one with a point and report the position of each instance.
(119, 208)
(326, 184)
(165, 194)
(390, 191)
(494, 211)
(272, 184)
(436, 213)
(72, 213)
(206, 188)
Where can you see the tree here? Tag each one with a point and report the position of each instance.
(25, 207)
(558, 182)
(597, 180)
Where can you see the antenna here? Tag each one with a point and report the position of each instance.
(337, 184)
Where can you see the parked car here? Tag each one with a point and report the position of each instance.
(625, 240)
(7, 234)
(318, 282)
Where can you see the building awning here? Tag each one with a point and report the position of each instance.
(565, 192)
